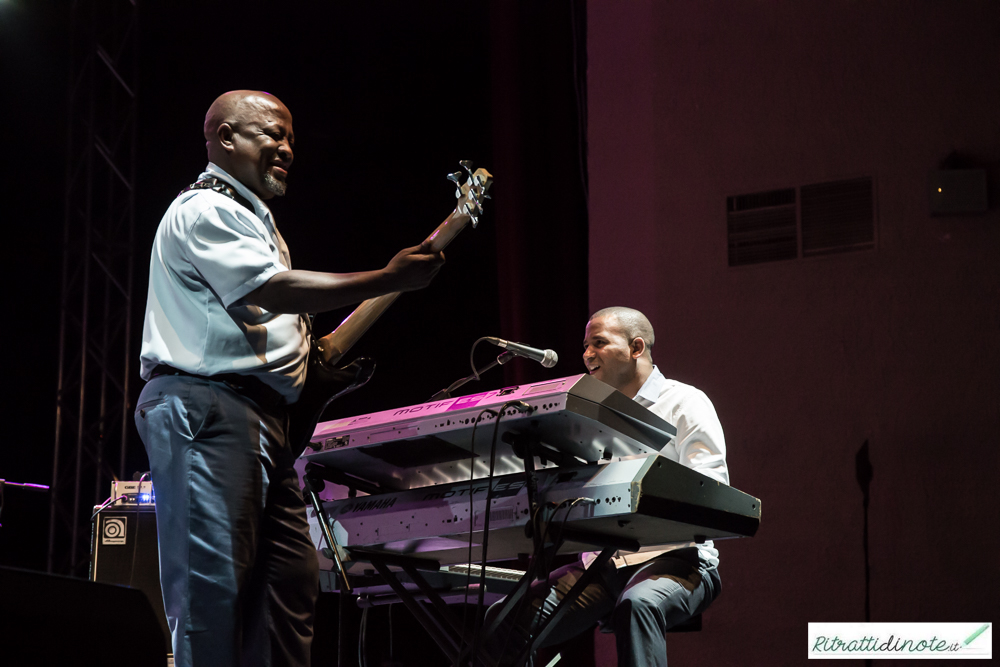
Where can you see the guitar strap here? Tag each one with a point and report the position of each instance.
(226, 189)
(222, 188)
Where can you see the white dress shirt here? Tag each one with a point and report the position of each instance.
(699, 445)
(209, 253)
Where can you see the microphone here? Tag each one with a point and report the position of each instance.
(547, 358)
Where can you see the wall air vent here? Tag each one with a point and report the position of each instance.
(761, 227)
(808, 221)
(837, 217)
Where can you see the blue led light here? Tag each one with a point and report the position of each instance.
(143, 497)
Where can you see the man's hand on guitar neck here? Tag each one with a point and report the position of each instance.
(297, 291)
(413, 268)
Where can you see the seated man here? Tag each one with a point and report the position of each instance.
(638, 595)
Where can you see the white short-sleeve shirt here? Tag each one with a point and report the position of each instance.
(209, 252)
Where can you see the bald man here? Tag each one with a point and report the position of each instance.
(224, 352)
(638, 596)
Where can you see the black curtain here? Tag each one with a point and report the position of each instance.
(386, 101)
(538, 70)
(538, 102)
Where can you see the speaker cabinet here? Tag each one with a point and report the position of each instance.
(123, 551)
(50, 620)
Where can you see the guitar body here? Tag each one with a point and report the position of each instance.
(323, 385)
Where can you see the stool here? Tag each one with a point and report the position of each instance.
(693, 624)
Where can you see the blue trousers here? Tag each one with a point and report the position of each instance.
(238, 570)
(639, 603)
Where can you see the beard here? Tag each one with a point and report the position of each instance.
(273, 185)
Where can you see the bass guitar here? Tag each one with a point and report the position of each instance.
(324, 380)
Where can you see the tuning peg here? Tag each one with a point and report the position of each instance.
(475, 220)
(456, 178)
(482, 184)
(467, 165)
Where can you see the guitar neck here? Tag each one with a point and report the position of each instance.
(335, 345)
(446, 231)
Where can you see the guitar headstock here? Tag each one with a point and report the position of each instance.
(472, 193)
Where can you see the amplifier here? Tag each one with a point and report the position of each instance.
(123, 551)
(132, 493)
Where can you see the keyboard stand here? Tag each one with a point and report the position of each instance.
(442, 625)
(445, 629)
(439, 622)
(314, 485)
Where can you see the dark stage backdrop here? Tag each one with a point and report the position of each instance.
(33, 68)
(386, 100)
(385, 104)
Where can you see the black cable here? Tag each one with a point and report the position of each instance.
(472, 526)
(547, 568)
(341, 594)
(135, 545)
(107, 503)
(537, 543)
(533, 565)
(135, 539)
(361, 638)
(519, 406)
(588, 501)
(540, 557)
(472, 362)
(547, 562)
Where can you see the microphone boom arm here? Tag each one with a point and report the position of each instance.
(446, 393)
(547, 358)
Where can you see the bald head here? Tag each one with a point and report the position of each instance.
(630, 322)
(237, 108)
(249, 134)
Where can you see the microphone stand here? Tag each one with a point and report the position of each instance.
(446, 393)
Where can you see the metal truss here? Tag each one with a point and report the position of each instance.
(93, 419)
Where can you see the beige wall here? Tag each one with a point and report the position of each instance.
(805, 360)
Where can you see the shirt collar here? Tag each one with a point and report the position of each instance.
(650, 390)
(260, 208)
